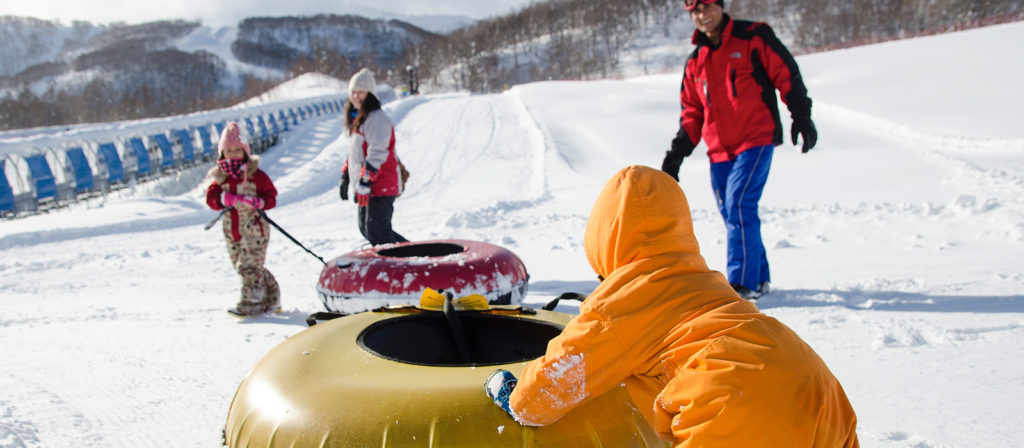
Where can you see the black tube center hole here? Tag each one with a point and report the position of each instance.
(427, 339)
(422, 250)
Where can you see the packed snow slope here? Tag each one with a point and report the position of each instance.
(896, 245)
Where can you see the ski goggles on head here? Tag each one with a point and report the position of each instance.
(691, 5)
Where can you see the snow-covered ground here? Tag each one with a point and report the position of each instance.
(896, 246)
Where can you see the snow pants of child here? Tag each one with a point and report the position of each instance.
(260, 291)
(375, 221)
(738, 185)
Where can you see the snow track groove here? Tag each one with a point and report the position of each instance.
(958, 152)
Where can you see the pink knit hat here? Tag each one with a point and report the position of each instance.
(232, 138)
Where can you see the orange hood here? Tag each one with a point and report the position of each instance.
(640, 213)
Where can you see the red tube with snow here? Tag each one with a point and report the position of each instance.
(397, 274)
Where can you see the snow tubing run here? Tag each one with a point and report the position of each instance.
(397, 378)
(397, 274)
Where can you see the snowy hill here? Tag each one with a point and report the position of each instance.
(46, 55)
(895, 245)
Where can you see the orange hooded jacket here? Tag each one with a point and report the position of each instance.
(705, 367)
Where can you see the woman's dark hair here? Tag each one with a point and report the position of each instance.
(370, 104)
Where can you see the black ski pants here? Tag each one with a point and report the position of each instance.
(375, 221)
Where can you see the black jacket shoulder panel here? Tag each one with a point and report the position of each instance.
(693, 55)
(745, 29)
(686, 65)
(797, 100)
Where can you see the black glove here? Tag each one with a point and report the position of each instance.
(343, 189)
(682, 147)
(804, 126)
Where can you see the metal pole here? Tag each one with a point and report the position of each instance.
(264, 216)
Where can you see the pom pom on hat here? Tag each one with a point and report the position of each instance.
(362, 80)
(232, 138)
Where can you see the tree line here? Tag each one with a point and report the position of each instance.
(579, 39)
(130, 89)
(829, 24)
(556, 39)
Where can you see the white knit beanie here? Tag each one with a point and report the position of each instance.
(362, 80)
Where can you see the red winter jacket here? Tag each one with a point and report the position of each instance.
(256, 183)
(728, 92)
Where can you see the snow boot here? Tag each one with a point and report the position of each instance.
(746, 293)
(251, 306)
(241, 312)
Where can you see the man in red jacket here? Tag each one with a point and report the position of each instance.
(728, 99)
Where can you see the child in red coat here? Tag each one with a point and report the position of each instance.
(240, 185)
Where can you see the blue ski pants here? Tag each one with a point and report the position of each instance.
(737, 185)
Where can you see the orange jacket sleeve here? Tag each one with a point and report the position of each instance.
(583, 361)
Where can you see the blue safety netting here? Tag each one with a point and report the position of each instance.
(284, 120)
(42, 178)
(220, 129)
(6, 192)
(166, 150)
(248, 126)
(141, 156)
(273, 124)
(263, 128)
(106, 154)
(204, 136)
(80, 169)
(188, 152)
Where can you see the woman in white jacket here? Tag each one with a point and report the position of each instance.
(372, 161)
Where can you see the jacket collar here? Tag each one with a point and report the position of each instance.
(701, 40)
(220, 176)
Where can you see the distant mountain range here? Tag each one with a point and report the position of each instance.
(83, 72)
(43, 55)
(52, 73)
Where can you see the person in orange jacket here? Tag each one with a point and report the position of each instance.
(704, 366)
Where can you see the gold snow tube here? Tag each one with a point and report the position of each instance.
(414, 378)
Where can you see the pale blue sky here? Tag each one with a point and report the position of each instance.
(225, 12)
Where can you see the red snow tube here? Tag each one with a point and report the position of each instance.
(398, 273)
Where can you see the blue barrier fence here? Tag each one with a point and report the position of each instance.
(83, 169)
(43, 182)
(166, 151)
(204, 137)
(188, 152)
(142, 165)
(79, 167)
(6, 192)
(108, 160)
